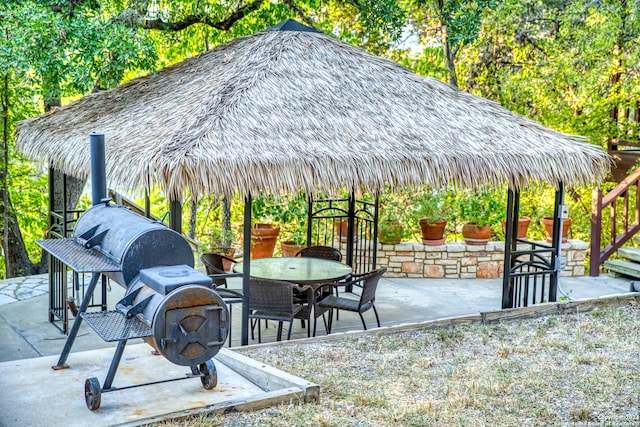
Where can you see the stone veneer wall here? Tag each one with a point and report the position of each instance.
(458, 260)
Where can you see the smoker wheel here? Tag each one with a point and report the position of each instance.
(92, 393)
(209, 376)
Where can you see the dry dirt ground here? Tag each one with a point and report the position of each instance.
(580, 369)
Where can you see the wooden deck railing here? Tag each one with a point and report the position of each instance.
(628, 230)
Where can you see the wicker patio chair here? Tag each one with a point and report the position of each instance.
(230, 297)
(213, 264)
(273, 300)
(369, 282)
(309, 297)
(324, 252)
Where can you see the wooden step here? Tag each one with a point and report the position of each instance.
(632, 254)
(627, 268)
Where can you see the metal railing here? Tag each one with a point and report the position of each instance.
(531, 268)
(617, 200)
(348, 224)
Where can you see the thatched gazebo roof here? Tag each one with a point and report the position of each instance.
(284, 110)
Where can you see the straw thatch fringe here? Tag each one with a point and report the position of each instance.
(284, 110)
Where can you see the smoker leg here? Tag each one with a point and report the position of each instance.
(76, 324)
(114, 364)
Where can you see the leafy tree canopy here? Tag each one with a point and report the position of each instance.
(55, 50)
(569, 64)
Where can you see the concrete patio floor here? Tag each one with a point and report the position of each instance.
(31, 345)
(26, 331)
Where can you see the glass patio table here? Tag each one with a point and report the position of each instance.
(297, 269)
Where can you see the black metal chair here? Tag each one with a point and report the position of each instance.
(369, 282)
(214, 264)
(273, 300)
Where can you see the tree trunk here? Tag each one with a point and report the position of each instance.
(17, 261)
(449, 57)
(16, 256)
(4, 172)
(226, 222)
(192, 218)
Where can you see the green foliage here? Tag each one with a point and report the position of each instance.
(393, 218)
(462, 19)
(46, 55)
(69, 54)
(288, 211)
(480, 207)
(449, 25)
(371, 24)
(428, 63)
(566, 64)
(209, 230)
(28, 191)
(385, 17)
(433, 205)
(390, 231)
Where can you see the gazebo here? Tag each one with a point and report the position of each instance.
(289, 109)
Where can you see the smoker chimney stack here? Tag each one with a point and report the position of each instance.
(98, 168)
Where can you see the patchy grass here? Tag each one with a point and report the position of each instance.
(571, 370)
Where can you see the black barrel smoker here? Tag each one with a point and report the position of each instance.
(167, 302)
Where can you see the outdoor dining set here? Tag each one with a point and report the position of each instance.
(312, 284)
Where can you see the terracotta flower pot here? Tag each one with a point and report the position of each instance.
(263, 240)
(433, 232)
(474, 235)
(548, 228)
(523, 226)
(342, 227)
(290, 248)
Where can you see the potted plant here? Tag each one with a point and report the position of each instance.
(341, 228)
(289, 212)
(499, 198)
(390, 228)
(548, 221)
(292, 240)
(221, 243)
(523, 226)
(431, 212)
(547, 213)
(263, 239)
(480, 209)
